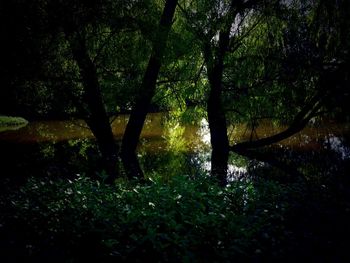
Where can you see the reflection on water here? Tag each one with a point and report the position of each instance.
(203, 132)
(179, 148)
(236, 171)
(48, 131)
(12, 127)
(336, 144)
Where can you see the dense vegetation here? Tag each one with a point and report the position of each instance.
(220, 62)
(180, 220)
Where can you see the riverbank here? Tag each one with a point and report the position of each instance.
(8, 123)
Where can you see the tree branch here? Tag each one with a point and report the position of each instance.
(299, 122)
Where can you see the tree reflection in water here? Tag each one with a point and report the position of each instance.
(169, 147)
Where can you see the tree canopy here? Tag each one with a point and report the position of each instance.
(233, 61)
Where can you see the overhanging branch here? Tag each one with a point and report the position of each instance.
(299, 122)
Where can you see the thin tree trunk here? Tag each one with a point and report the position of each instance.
(96, 116)
(147, 90)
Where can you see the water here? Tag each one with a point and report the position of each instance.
(165, 147)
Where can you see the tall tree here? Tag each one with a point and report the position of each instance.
(76, 20)
(216, 115)
(96, 116)
(146, 93)
(214, 33)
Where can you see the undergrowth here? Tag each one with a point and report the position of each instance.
(181, 220)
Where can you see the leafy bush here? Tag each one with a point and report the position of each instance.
(186, 220)
(180, 220)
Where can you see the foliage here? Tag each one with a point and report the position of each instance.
(280, 54)
(12, 123)
(182, 220)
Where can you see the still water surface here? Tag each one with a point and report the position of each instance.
(156, 128)
(161, 135)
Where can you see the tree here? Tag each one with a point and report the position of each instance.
(313, 70)
(215, 37)
(147, 91)
(75, 21)
(254, 34)
(96, 117)
(60, 46)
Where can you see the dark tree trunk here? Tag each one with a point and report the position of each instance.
(96, 116)
(147, 90)
(216, 115)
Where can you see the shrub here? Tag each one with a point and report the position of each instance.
(180, 220)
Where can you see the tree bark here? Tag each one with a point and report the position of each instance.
(96, 116)
(147, 90)
(216, 115)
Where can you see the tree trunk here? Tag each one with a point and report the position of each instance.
(147, 90)
(96, 116)
(216, 115)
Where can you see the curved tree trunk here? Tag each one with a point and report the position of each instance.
(96, 116)
(147, 90)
